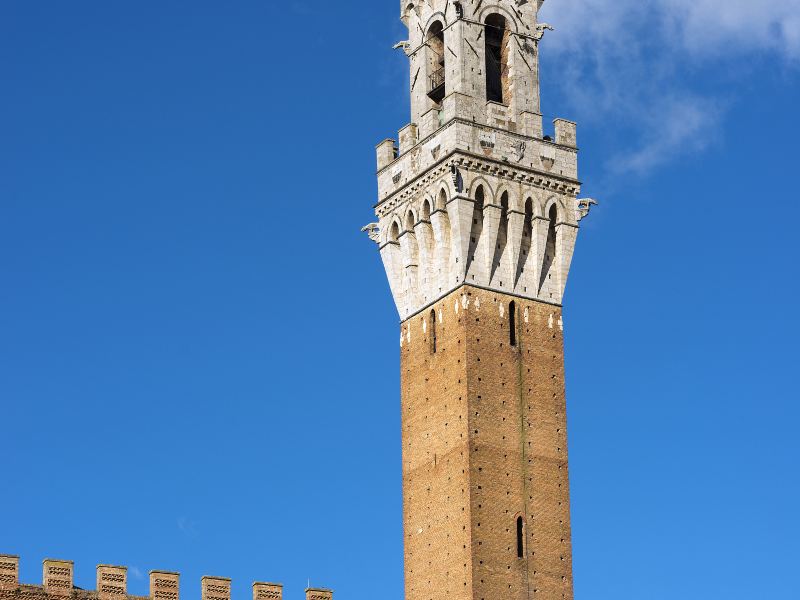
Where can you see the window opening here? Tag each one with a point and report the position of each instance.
(512, 322)
(433, 331)
(436, 73)
(497, 59)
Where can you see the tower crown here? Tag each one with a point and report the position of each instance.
(475, 193)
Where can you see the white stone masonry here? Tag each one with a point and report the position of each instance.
(476, 193)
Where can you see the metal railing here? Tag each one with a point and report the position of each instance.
(436, 79)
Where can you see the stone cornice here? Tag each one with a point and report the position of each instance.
(477, 164)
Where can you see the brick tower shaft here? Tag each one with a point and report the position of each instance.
(485, 476)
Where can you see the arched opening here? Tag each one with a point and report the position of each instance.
(441, 230)
(512, 323)
(434, 42)
(497, 59)
(409, 221)
(394, 232)
(502, 236)
(520, 538)
(477, 226)
(527, 238)
(549, 251)
(433, 331)
(442, 202)
(426, 210)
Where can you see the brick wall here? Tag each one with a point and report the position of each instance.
(484, 444)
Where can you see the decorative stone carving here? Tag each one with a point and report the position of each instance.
(584, 207)
(540, 29)
(373, 231)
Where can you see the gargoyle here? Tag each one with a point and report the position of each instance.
(405, 46)
(373, 231)
(584, 206)
(540, 29)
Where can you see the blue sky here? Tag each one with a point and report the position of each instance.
(198, 348)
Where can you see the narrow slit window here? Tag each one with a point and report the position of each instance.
(512, 322)
(433, 331)
(520, 538)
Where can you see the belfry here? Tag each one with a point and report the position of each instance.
(478, 215)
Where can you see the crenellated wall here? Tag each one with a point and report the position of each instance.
(112, 584)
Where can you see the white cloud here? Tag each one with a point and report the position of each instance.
(733, 27)
(622, 64)
(680, 125)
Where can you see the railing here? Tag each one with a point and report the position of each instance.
(436, 86)
(436, 79)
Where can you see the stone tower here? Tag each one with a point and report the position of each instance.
(478, 213)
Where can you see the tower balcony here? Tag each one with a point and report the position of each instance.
(436, 86)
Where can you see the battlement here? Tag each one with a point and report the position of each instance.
(58, 582)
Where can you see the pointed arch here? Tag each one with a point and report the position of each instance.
(476, 230)
(488, 191)
(442, 198)
(410, 220)
(440, 222)
(425, 213)
(527, 230)
(439, 17)
(527, 240)
(549, 262)
(393, 231)
(511, 197)
(502, 237)
(435, 60)
(551, 203)
(497, 8)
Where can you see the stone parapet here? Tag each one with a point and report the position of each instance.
(506, 148)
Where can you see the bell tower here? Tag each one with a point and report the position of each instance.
(478, 213)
